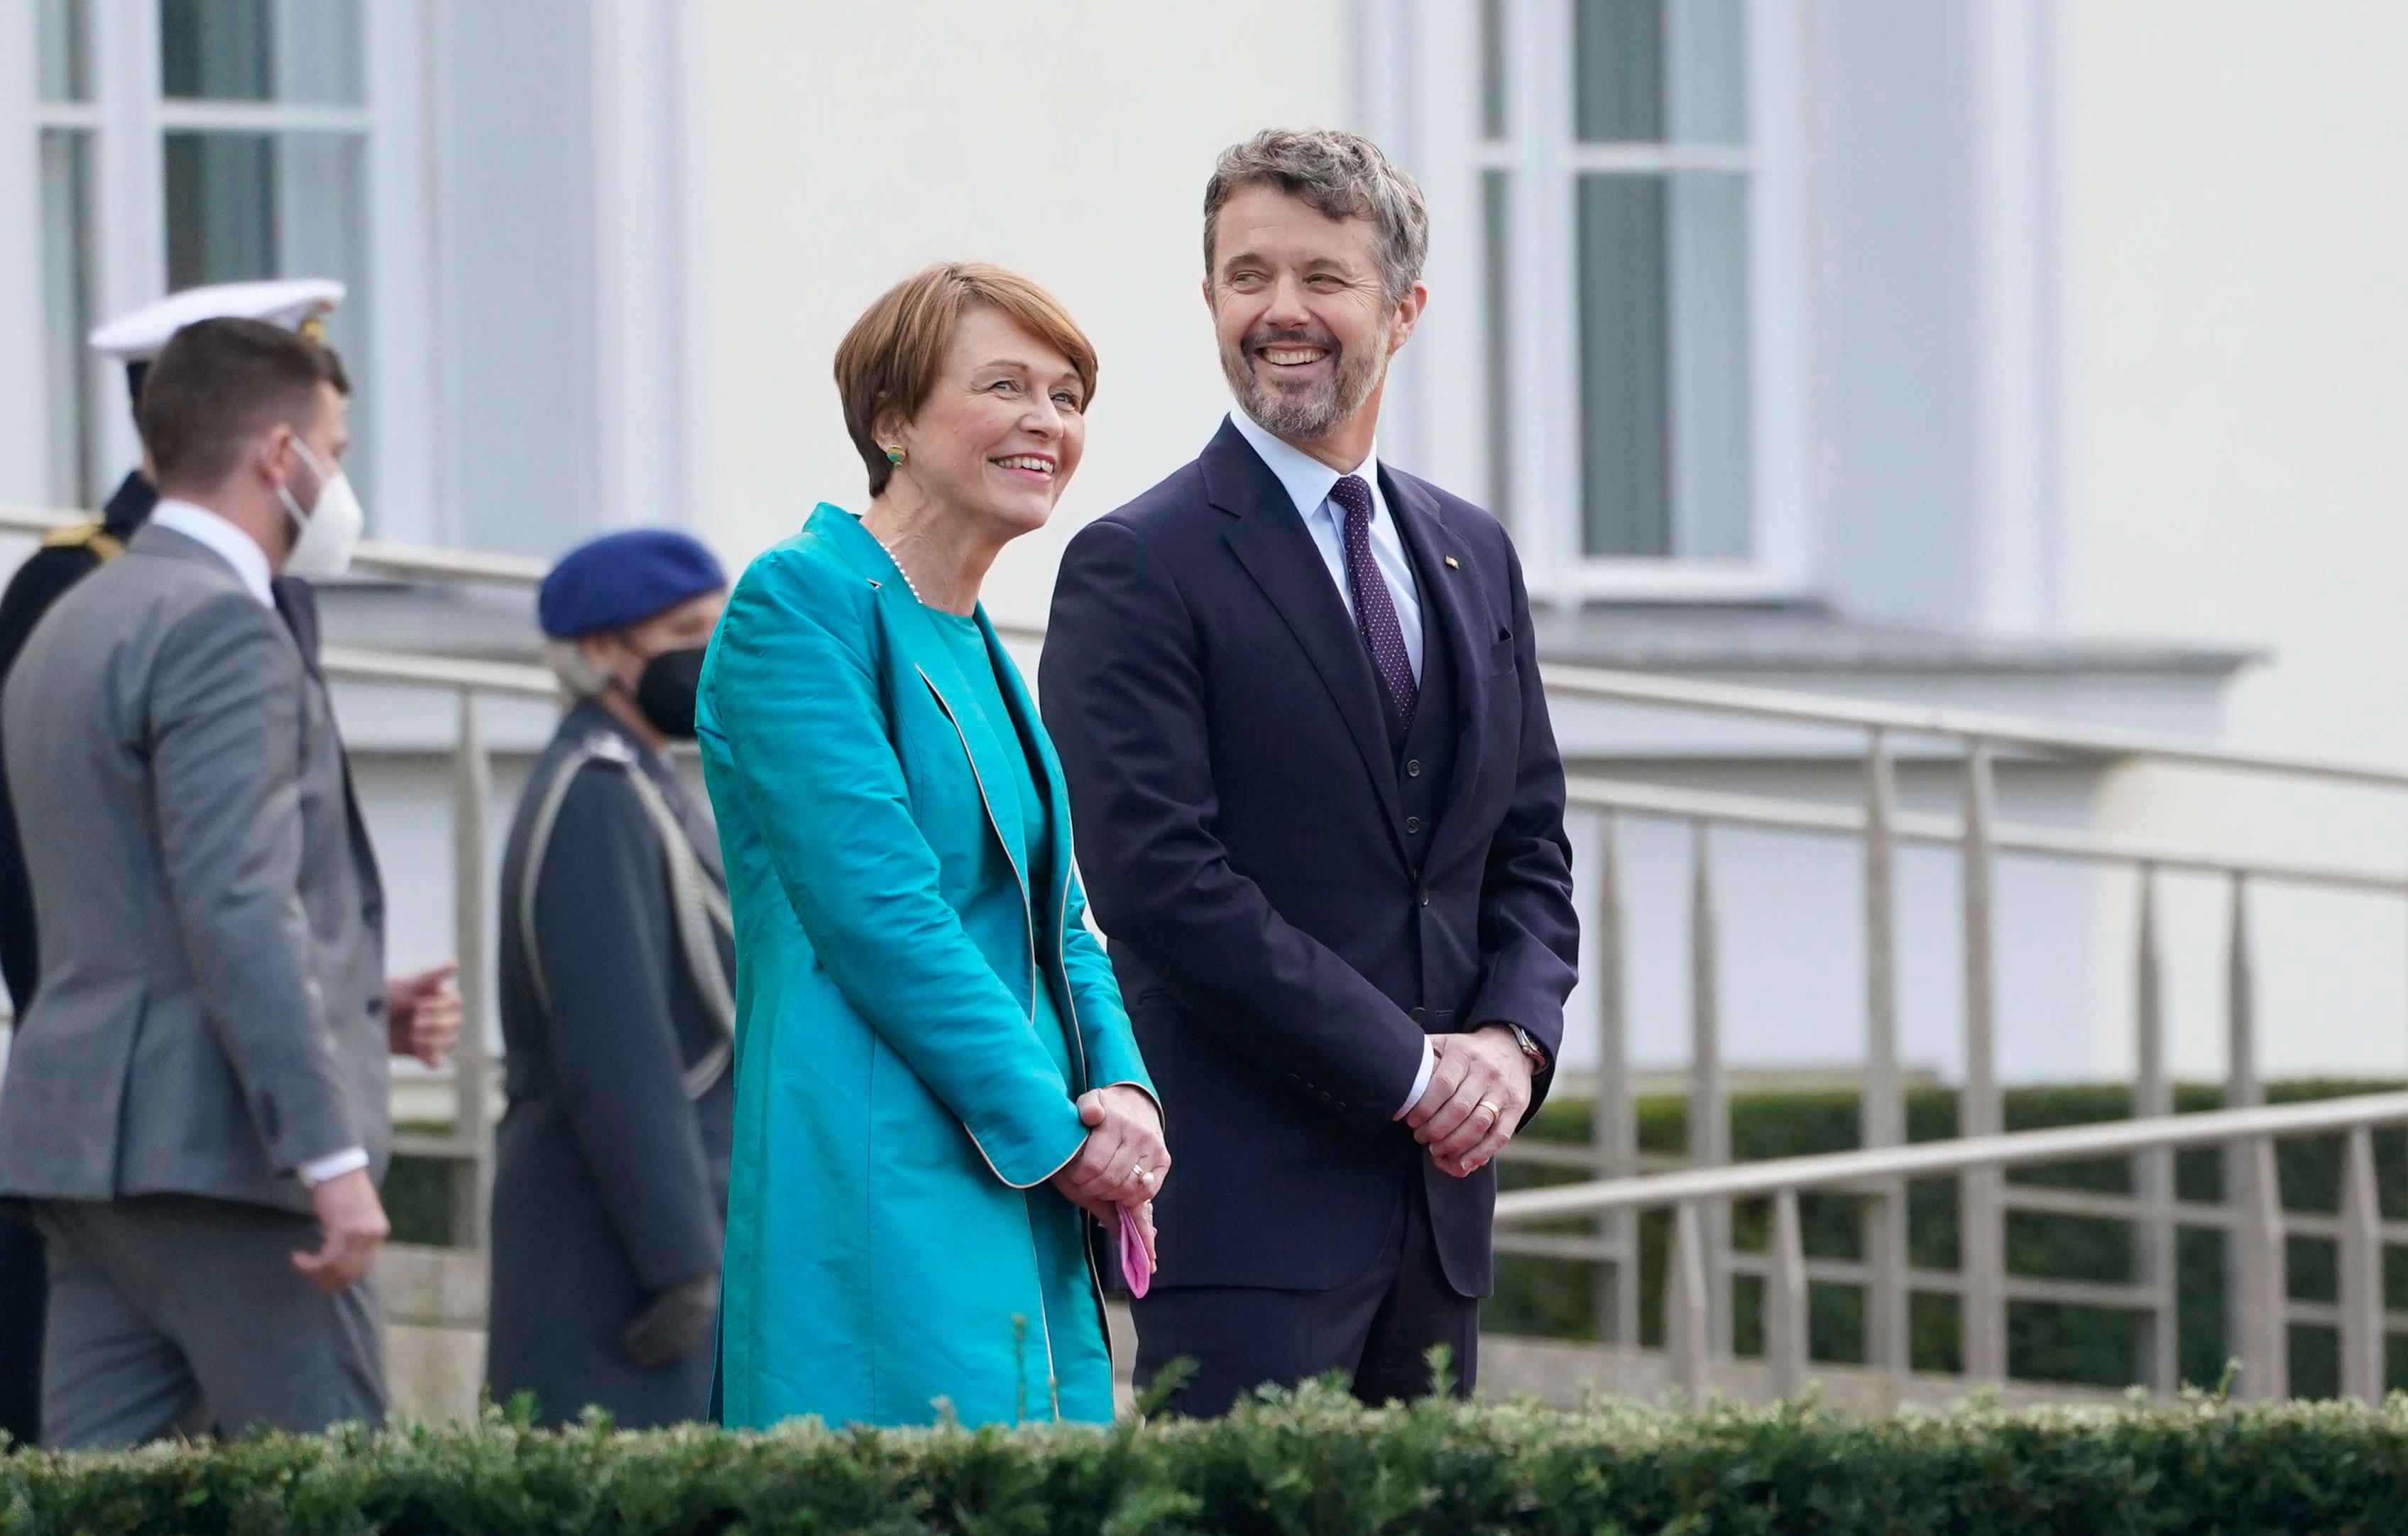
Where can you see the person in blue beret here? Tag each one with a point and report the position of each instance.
(610, 1171)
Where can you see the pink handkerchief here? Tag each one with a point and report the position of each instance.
(1135, 1267)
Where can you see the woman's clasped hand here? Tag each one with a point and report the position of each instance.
(1123, 1161)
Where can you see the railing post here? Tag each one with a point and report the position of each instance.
(1881, 1111)
(472, 1070)
(2266, 1331)
(2243, 1090)
(1687, 1305)
(1785, 1300)
(2153, 1173)
(1613, 1124)
(1981, 1238)
(2363, 1341)
(1710, 1143)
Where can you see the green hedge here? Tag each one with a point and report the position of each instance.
(1311, 1465)
(2045, 1341)
(418, 1196)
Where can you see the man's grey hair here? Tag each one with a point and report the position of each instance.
(1343, 174)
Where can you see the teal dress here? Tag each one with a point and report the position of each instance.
(919, 1005)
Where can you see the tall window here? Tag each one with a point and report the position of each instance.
(202, 141)
(66, 120)
(1635, 377)
(266, 158)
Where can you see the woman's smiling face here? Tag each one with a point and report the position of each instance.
(1002, 429)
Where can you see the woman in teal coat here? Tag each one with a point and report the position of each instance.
(937, 1095)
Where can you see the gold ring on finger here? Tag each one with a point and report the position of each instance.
(1494, 1112)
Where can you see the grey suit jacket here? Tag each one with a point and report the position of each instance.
(211, 1010)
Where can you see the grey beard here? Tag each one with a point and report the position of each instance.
(1309, 416)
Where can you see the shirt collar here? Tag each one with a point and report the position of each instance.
(222, 539)
(1307, 478)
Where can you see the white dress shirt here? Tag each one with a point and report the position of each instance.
(224, 540)
(249, 562)
(1307, 482)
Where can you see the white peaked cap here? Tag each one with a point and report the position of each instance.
(292, 303)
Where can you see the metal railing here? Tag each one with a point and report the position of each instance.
(2260, 1228)
(402, 561)
(1879, 825)
(1982, 1282)
(475, 1066)
(1981, 838)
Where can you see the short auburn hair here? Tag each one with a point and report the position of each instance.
(888, 361)
(216, 384)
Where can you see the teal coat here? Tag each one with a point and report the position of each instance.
(890, 1237)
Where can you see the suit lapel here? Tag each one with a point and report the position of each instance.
(1445, 595)
(927, 651)
(987, 764)
(1269, 539)
(1050, 866)
(297, 604)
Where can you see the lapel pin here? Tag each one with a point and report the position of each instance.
(1453, 563)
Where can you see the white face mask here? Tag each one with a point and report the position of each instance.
(330, 531)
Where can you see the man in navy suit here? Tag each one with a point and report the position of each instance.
(1320, 813)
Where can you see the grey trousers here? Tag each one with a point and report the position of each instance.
(170, 1314)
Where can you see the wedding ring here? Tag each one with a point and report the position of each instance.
(1494, 1112)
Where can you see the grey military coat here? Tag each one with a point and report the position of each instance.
(211, 1013)
(610, 1180)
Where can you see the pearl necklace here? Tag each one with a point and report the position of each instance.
(912, 587)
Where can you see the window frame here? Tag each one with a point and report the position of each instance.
(126, 117)
(1419, 85)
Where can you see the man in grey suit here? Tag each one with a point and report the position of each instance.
(197, 1106)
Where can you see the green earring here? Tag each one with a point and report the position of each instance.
(895, 453)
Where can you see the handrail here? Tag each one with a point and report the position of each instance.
(1797, 707)
(412, 562)
(413, 670)
(1966, 726)
(1775, 813)
(405, 561)
(2060, 1143)
(1561, 680)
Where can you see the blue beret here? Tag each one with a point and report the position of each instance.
(622, 579)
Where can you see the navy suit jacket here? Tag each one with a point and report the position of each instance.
(1237, 807)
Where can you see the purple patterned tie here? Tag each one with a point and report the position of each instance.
(1375, 613)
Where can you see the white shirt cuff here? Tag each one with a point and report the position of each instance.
(334, 1166)
(1421, 1079)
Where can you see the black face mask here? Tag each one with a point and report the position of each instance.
(665, 690)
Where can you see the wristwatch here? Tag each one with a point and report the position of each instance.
(1530, 1048)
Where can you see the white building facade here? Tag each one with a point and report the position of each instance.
(2032, 355)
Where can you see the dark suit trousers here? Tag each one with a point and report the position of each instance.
(23, 1287)
(1376, 1330)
